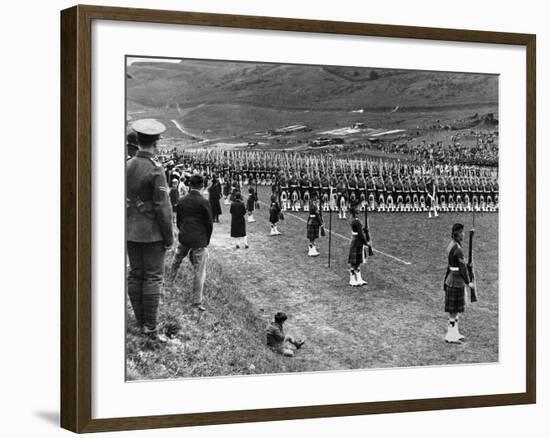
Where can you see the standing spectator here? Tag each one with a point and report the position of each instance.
(251, 203)
(148, 226)
(174, 194)
(238, 224)
(214, 195)
(182, 187)
(194, 222)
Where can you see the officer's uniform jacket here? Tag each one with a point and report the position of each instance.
(457, 273)
(148, 212)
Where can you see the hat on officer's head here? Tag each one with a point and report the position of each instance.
(457, 227)
(148, 130)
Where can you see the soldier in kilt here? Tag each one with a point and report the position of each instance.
(251, 203)
(314, 224)
(274, 216)
(456, 279)
(356, 250)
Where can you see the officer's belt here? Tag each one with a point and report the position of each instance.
(454, 268)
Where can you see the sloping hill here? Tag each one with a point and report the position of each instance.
(192, 82)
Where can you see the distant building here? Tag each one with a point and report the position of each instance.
(289, 130)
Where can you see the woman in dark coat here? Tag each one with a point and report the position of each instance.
(214, 195)
(238, 224)
(356, 250)
(274, 215)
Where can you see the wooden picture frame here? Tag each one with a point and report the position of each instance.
(76, 218)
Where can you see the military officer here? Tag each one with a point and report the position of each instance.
(148, 226)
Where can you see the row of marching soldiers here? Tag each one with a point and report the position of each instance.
(376, 190)
(389, 194)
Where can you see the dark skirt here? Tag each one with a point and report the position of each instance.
(355, 257)
(312, 230)
(454, 299)
(216, 207)
(238, 226)
(274, 215)
(250, 204)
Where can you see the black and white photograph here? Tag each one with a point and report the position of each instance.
(288, 218)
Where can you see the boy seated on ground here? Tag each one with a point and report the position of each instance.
(276, 338)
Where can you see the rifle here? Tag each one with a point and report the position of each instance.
(470, 266)
(367, 233)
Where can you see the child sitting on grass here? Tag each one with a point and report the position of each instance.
(276, 338)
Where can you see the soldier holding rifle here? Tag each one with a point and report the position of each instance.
(456, 278)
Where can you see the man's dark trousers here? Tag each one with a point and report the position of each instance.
(145, 280)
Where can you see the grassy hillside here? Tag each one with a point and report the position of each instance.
(302, 87)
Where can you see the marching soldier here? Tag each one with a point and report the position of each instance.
(380, 192)
(149, 226)
(456, 279)
(356, 250)
(390, 192)
(371, 192)
(341, 191)
(362, 186)
(316, 186)
(294, 192)
(399, 193)
(274, 216)
(251, 204)
(314, 223)
(353, 190)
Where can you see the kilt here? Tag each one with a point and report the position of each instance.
(454, 299)
(312, 230)
(250, 204)
(355, 257)
(274, 215)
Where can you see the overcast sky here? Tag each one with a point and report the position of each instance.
(130, 61)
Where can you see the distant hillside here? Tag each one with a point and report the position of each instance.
(192, 82)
